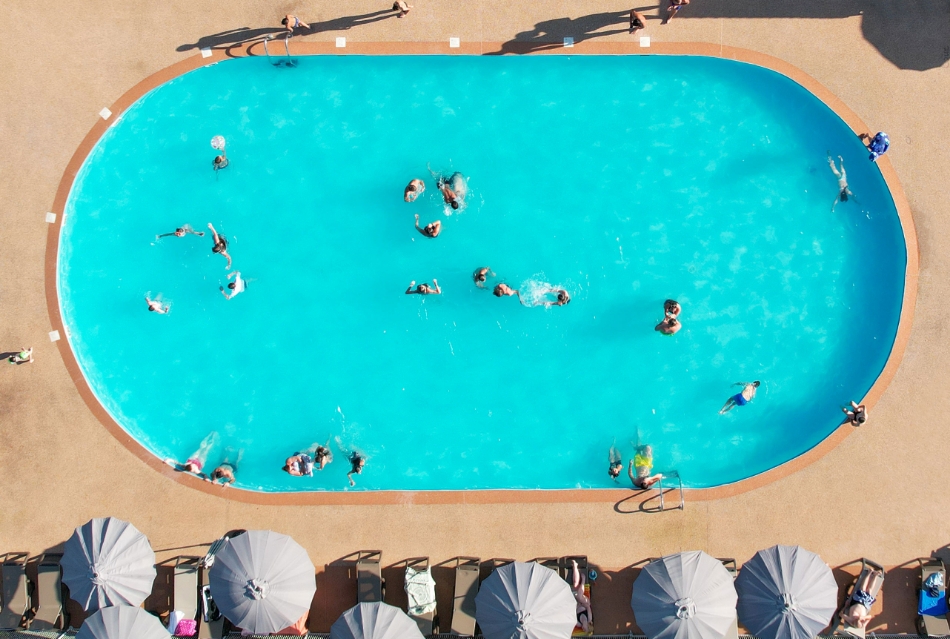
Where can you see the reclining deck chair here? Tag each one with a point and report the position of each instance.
(466, 587)
(420, 592)
(932, 610)
(48, 594)
(16, 596)
(874, 588)
(370, 586)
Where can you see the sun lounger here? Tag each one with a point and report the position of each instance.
(369, 577)
(733, 632)
(48, 595)
(874, 588)
(420, 591)
(466, 587)
(566, 570)
(185, 588)
(211, 624)
(16, 596)
(932, 610)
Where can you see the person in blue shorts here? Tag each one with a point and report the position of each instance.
(673, 9)
(742, 398)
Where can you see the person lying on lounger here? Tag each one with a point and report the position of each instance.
(858, 612)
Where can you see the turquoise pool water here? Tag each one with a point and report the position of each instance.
(625, 180)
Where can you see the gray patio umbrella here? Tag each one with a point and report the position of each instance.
(786, 592)
(374, 621)
(108, 562)
(525, 601)
(262, 581)
(122, 622)
(689, 595)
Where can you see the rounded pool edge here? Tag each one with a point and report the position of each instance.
(635, 499)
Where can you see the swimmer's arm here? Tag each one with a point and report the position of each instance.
(165, 235)
(233, 273)
(409, 290)
(438, 291)
(630, 474)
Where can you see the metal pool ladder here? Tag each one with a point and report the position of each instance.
(289, 62)
(671, 475)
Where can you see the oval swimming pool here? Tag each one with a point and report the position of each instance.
(622, 180)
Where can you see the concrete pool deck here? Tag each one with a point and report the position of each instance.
(878, 494)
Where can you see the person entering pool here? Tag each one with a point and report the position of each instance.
(615, 459)
(237, 287)
(856, 415)
(842, 175)
(742, 398)
(481, 275)
(220, 162)
(424, 288)
(197, 459)
(432, 229)
(156, 306)
(220, 245)
(226, 469)
(503, 290)
(640, 466)
(181, 231)
(414, 189)
(357, 462)
(583, 611)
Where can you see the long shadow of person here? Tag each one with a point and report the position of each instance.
(550, 34)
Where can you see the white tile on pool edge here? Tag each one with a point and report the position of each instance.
(454, 43)
(50, 218)
(105, 114)
(644, 41)
(54, 336)
(340, 43)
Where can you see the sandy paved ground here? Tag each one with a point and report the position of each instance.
(879, 494)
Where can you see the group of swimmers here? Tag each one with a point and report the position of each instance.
(299, 464)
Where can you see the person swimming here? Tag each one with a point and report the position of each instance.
(414, 189)
(454, 188)
(424, 288)
(669, 326)
(196, 461)
(615, 459)
(357, 462)
(503, 290)
(299, 464)
(182, 231)
(842, 175)
(561, 298)
(639, 469)
(156, 306)
(237, 287)
(220, 245)
(432, 229)
(741, 398)
(481, 275)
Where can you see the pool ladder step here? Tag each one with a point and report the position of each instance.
(280, 62)
(679, 486)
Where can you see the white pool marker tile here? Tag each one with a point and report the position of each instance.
(568, 42)
(54, 336)
(105, 114)
(206, 53)
(454, 43)
(645, 42)
(50, 218)
(341, 43)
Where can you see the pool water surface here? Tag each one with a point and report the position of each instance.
(623, 180)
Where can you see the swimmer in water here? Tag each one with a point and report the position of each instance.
(669, 326)
(237, 287)
(672, 308)
(323, 456)
(424, 289)
(220, 162)
(640, 467)
(503, 290)
(182, 231)
(637, 21)
(429, 230)
(481, 275)
(562, 297)
(299, 464)
(156, 306)
(454, 188)
(357, 462)
(742, 398)
(220, 245)
(414, 189)
(197, 459)
(226, 469)
(615, 460)
(842, 175)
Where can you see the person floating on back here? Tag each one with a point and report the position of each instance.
(220, 245)
(237, 287)
(292, 22)
(424, 288)
(878, 145)
(842, 175)
(432, 229)
(674, 8)
(181, 231)
(25, 356)
(155, 306)
(414, 189)
(742, 398)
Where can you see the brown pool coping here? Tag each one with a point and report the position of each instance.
(391, 497)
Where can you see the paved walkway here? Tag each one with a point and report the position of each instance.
(881, 493)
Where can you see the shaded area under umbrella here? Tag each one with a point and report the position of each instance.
(525, 601)
(374, 620)
(122, 622)
(262, 581)
(689, 595)
(108, 562)
(786, 592)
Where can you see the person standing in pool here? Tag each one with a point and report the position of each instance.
(226, 469)
(742, 398)
(637, 21)
(197, 459)
(640, 467)
(155, 306)
(842, 175)
(432, 229)
(220, 245)
(357, 462)
(414, 189)
(182, 231)
(503, 290)
(615, 460)
(669, 326)
(481, 275)
(237, 287)
(424, 289)
(220, 161)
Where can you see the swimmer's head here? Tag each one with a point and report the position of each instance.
(231, 285)
(284, 22)
(150, 308)
(180, 232)
(499, 291)
(673, 322)
(861, 417)
(480, 276)
(755, 384)
(614, 470)
(455, 204)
